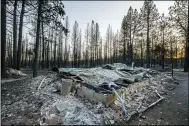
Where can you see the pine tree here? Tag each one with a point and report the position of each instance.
(87, 36)
(48, 49)
(130, 20)
(179, 15)
(163, 24)
(20, 36)
(124, 35)
(26, 57)
(15, 35)
(107, 44)
(75, 36)
(37, 39)
(79, 49)
(92, 41)
(149, 14)
(66, 56)
(97, 37)
(100, 52)
(43, 44)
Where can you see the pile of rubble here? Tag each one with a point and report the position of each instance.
(104, 95)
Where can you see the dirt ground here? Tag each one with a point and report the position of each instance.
(18, 105)
(171, 111)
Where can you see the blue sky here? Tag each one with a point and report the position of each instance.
(105, 12)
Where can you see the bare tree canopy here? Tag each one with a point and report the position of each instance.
(143, 38)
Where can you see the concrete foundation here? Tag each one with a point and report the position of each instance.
(92, 96)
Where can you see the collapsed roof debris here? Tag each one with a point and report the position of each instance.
(103, 95)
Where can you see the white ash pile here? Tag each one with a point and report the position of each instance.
(68, 109)
(137, 88)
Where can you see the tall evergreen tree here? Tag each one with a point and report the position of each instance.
(79, 49)
(15, 35)
(163, 24)
(124, 35)
(92, 41)
(37, 39)
(179, 15)
(20, 35)
(66, 56)
(87, 37)
(149, 14)
(75, 38)
(97, 37)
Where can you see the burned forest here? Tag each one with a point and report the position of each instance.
(94, 62)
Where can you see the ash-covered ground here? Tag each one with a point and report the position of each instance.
(22, 103)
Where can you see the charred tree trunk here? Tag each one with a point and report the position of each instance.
(130, 44)
(141, 55)
(29, 60)
(3, 38)
(20, 36)
(26, 52)
(52, 49)
(172, 57)
(9, 52)
(66, 52)
(37, 39)
(186, 59)
(40, 48)
(55, 48)
(43, 48)
(176, 55)
(59, 47)
(148, 43)
(87, 54)
(22, 59)
(15, 35)
(124, 50)
(152, 52)
(48, 50)
(163, 51)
